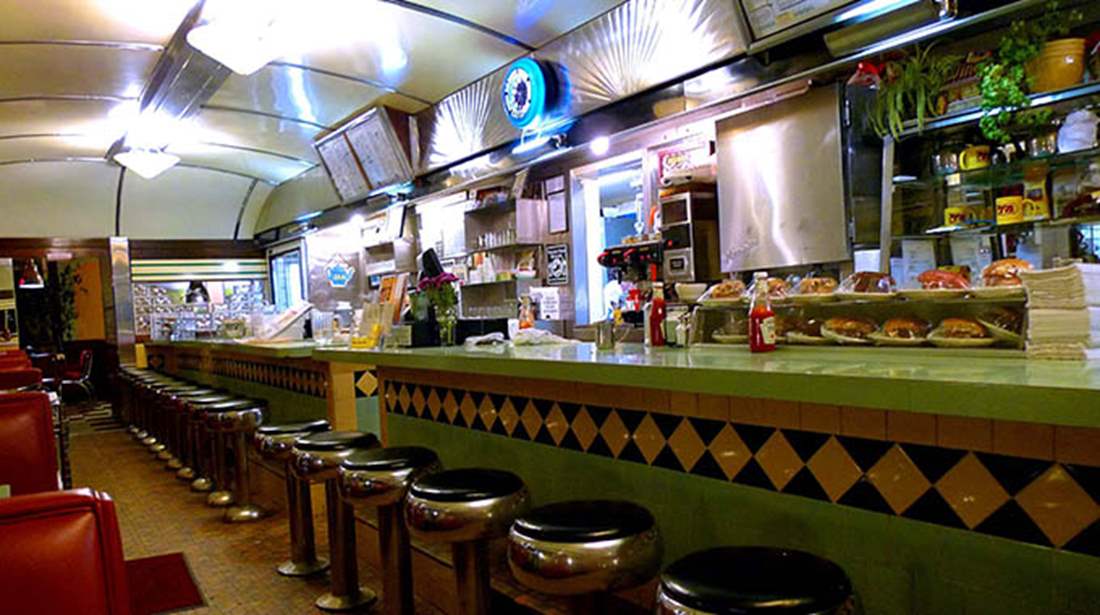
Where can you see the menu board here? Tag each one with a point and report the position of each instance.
(374, 141)
(766, 17)
(342, 167)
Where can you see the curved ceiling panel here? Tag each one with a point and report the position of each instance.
(58, 199)
(88, 118)
(262, 166)
(32, 148)
(310, 191)
(535, 22)
(65, 70)
(182, 203)
(417, 54)
(258, 132)
(252, 209)
(135, 21)
(295, 92)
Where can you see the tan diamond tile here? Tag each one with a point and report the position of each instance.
(971, 491)
(729, 451)
(391, 397)
(531, 419)
(450, 406)
(367, 383)
(508, 416)
(418, 400)
(779, 460)
(557, 424)
(435, 405)
(403, 398)
(898, 480)
(468, 408)
(1058, 505)
(834, 469)
(487, 412)
(614, 433)
(649, 439)
(584, 428)
(686, 444)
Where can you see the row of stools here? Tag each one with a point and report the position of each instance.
(581, 549)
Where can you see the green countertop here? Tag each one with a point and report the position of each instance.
(1061, 393)
(279, 350)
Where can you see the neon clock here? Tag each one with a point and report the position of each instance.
(526, 92)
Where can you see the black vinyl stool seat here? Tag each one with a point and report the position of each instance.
(378, 479)
(585, 547)
(753, 580)
(467, 507)
(317, 459)
(275, 442)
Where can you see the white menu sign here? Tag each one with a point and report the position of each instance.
(766, 17)
(374, 142)
(342, 168)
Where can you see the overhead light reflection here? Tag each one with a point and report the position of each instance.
(145, 162)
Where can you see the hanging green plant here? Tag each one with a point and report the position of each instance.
(1004, 81)
(908, 90)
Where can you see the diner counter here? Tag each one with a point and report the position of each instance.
(274, 350)
(915, 380)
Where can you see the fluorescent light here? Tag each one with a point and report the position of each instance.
(146, 163)
(600, 145)
(242, 50)
(874, 7)
(308, 216)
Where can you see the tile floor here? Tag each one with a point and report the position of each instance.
(233, 565)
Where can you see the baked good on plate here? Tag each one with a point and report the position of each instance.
(939, 279)
(1005, 272)
(907, 328)
(817, 286)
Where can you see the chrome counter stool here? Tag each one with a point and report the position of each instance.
(585, 549)
(142, 411)
(239, 424)
(165, 415)
(188, 410)
(753, 580)
(176, 425)
(215, 418)
(467, 508)
(152, 397)
(317, 458)
(379, 478)
(276, 443)
(207, 457)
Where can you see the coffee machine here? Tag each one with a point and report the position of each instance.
(689, 233)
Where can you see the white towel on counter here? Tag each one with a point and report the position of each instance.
(1061, 288)
(1060, 352)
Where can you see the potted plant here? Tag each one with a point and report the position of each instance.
(908, 90)
(441, 294)
(1019, 66)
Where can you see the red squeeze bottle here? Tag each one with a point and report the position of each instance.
(761, 316)
(657, 311)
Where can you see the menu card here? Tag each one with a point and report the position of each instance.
(342, 167)
(373, 140)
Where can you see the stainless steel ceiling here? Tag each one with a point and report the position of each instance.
(66, 64)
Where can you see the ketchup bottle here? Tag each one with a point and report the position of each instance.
(761, 316)
(656, 312)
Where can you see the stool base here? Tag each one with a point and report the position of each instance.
(202, 485)
(185, 473)
(149, 440)
(219, 499)
(302, 569)
(173, 465)
(164, 455)
(141, 434)
(133, 429)
(244, 514)
(332, 603)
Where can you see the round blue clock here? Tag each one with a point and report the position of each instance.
(525, 92)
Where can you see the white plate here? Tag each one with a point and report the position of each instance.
(960, 342)
(932, 294)
(998, 292)
(720, 303)
(843, 296)
(813, 298)
(723, 338)
(881, 339)
(843, 339)
(808, 340)
(1003, 335)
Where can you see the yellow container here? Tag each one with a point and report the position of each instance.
(959, 215)
(1010, 209)
(1060, 65)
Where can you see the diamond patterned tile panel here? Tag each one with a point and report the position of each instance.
(834, 468)
(366, 384)
(729, 452)
(584, 428)
(649, 439)
(972, 491)
(508, 416)
(435, 404)
(403, 398)
(419, 402)
(487, 413)
(686, 444)
(1058, 505)
(450, 406)
(779, 460)
(531, 419)
(556, 424)
(898, 480)
(614, 433)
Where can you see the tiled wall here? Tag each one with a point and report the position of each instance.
(949, 481)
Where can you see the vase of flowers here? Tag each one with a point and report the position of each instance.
(440, 291)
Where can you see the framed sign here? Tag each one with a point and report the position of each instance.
(557, 264)
(558, 214)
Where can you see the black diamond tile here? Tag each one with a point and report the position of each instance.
(668, 460)
(631, 452)
(544, 437)
(806, 485)
(631, 418)
(864, 495)
(707, 429)
(753, 475)
(865, 452)
(460, 420)
(753, 436)
(1088, 478)
(520, 432)
(571, 442)
(707, 466)
(667, 423)
(497, 400)
(477, 397)
(1013, 473)
(497, 428)
(1087, 542)
(933, 461)
(805, 443)
(932, 508)
(598, 414)
(477, 423)
(570, 410)
(544, 406)
(1012, 522)
(599, 447)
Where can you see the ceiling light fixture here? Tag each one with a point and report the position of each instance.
(600, 145)
(146, 162)
(244, 35)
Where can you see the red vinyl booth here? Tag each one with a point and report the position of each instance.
(62, 554)
(15, 362)
(11, 379)
(28, 453)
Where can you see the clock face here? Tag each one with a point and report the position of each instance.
(517, 93)
(524, 92)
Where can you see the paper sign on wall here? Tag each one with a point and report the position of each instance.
(557, 264)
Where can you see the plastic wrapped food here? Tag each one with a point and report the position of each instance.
(939, 279)
(807, 331)
(817, 286)
(867, 285)
(902, 331)
(1005, 272)
(778, 288)
(960, 333)
(849, 329)
(726, 290)
(1004, 318)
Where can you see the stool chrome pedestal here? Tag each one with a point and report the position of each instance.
(190, 420)
(213, 475)
(379, 478)
(316, 460)
(467, 508)
(239, 424)
(275, 443)
(166, 403)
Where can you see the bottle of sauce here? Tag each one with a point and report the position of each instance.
(761, 316)
(656, 320)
